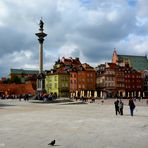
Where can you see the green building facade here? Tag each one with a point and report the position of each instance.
(58, 83)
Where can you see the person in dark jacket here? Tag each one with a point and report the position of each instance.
(116, 103)
(132, 106)
(121, 104)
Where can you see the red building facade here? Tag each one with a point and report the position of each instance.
(133, 83)
(119, 81)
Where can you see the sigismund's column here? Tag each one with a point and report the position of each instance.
(41, 76)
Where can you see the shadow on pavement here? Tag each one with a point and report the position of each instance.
(48, 102)
(135, 115)
(56, 145)
(5, 105)
(75, 103)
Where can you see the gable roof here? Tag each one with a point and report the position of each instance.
(137, 62)
(87, 67)
(70, 61)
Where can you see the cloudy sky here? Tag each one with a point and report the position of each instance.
(88, 29)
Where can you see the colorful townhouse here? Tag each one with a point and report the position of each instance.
(86, 80)
(82, 76)
(58, 83)
(138, 65)
(119, 81)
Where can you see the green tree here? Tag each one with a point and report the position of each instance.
(7, 81)
(16, 80)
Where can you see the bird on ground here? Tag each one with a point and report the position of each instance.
(52, 143)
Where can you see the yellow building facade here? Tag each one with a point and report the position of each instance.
(58, 83)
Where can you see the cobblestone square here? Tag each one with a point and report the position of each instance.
(72, 124)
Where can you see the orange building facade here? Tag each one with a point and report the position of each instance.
(83, 82)
(73, 81)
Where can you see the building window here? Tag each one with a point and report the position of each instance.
(55, 78)
(49, 78)
(83, 86)
(63, 85)
(66, 84)
(50, 85)
(55, 85)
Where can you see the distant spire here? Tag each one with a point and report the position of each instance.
(115, 50)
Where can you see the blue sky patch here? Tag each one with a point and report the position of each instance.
(132, 2)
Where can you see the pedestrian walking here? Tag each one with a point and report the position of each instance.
(116, 103)
(121, 104)
(132, 106)
(20, 97)
(102, 101)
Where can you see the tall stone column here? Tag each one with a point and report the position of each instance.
(41, 76)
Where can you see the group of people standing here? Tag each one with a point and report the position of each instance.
(119, 106)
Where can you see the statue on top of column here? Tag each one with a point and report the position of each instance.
(41, 24)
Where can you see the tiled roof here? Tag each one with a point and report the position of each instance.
(137, 62)
(71, 61)
(87, 67)
(22, 71)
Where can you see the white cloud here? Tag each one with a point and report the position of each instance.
(142, 8)
(30, 66)
(88, 29)
(134, 44)
(22, 59)
(113, 16)
(67, 50)
(3, 13)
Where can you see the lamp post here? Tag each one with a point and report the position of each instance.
(41, 76)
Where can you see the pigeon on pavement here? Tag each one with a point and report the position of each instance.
(52, 143)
